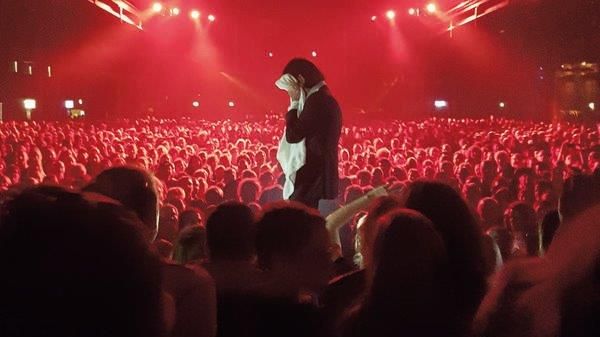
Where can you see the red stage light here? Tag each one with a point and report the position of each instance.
(157, 7)
(175, 11)
(270, 54)
(231, 104)
(412, 12)
(431, 8)
(211, 18)
(314, 53)
(391, 14)
(195, 104)
(374, 18)
(195, 14)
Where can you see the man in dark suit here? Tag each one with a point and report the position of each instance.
(319, 124)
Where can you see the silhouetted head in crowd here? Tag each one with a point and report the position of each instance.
(520, 219)
(580, 192)
(214, 196)
(305, 72)
(176, 193)
(190, 217)
(352, 193)
(179, 204)
(230, 233)
(248, 191)
(367, 228)
(187, 184)
(408, 295)
(489, 170)
(74, 267)
(191, 245)
(165, 170)
(490, 212)
(134, 188)
(461, 233)
(293, 246)
(271, 194)
(168, 223)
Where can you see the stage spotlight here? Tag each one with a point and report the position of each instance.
(69, 104)
(412, 12)
(431, 8)
(440, 104)
(195, 14)
(270, 54)
(592, 106)
(211, 18)
(314, 53)
(231, 104)
(502, 105)
(374, 18)
(175, 11)
(29, 104)
(80, 101)
(391, 14)
(157, 7)
(195, 104)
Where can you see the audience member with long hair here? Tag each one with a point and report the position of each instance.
(462, 236)
(409, 272)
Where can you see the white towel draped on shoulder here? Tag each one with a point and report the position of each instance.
(292, 156)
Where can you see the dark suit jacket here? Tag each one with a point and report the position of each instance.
(320, 123)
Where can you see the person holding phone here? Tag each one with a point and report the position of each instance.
(308, 152)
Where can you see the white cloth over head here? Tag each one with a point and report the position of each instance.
(292, 156)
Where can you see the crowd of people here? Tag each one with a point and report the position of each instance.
(155, 227)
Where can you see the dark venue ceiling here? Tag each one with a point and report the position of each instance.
(375, 67)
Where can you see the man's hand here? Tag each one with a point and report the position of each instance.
(294, 93)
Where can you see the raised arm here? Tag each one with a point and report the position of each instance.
(344, 214)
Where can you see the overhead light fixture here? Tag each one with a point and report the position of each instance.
(157, 7)
(440, 104)
(195, 14)
(391, 14)
(431, 8)
(29, 104)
